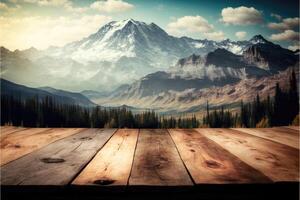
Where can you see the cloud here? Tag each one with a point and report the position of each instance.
(294, 47)
(241, 34)
(67, 4)
(110, 6)
(241, 16)
(41, 32)
(48, 2)
(3, 6)
(191, 24)
(9, 9)
(287, 35)
(286, 24)
(217, 36)
(278, 17)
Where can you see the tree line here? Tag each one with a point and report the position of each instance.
(37, 112)
(282, 109)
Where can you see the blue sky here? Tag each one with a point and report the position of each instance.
(27, 22)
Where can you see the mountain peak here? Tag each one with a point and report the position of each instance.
(258, 39)
(128, 21)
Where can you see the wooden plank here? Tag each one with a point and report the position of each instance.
(112, 164)
(11, 130)
(18, 144)
(296, 128)
(2, 128)
(277, 161)
(283, 136)
(11, 148)
(157, 162)
(57, 163)
(5, 128)
(8, 132)
(208, 162)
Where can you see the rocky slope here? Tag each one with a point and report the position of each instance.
(194, 100)
(119, 52)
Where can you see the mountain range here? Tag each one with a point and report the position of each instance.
(18, 91)
(120, 52)
(134, 63)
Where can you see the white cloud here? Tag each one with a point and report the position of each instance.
(42, 32)
(111, 6)
(217, 35)
(3, 6)
(287, 35)
(241, 16)
(189, 24)
(71, 8)
(276, 16)
(241, 34)
(67, 4)
(48, 2)
(9, 9)
(294, 47)
(286, 24)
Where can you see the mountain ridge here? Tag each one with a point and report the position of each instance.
(23, 92)
(120, 52)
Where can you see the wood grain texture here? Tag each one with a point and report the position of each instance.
(208, 162)
(11, 148)
(10, 129)
(277, 161)
(112, 164)
(281, 135)
(57, 163)
(157, 162)
(296, 128)
(20, 143)
(6, 128)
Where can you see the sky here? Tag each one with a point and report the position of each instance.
(45, 23)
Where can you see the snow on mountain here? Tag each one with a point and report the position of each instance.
(120, 52)
(215, 69)
(134, 39)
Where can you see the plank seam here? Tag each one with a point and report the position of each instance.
(84, 166)
(237, 157)
(260, 137)
(127, 184)
(193, 181)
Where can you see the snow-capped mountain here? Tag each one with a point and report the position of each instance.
(122, 52)
(215, 69)
(134, 39)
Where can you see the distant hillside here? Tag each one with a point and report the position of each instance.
(60, 96)
(77, 97)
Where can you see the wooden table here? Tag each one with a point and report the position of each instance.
(145, 163)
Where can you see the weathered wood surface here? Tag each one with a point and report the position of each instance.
(57, 163)
(156, 161)
(20, 143)
(6, 130)
(111, 165)
(281, 135)
(277, 161)
(296, 128)
(11, 147)
(132, 157)
(208, 162)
